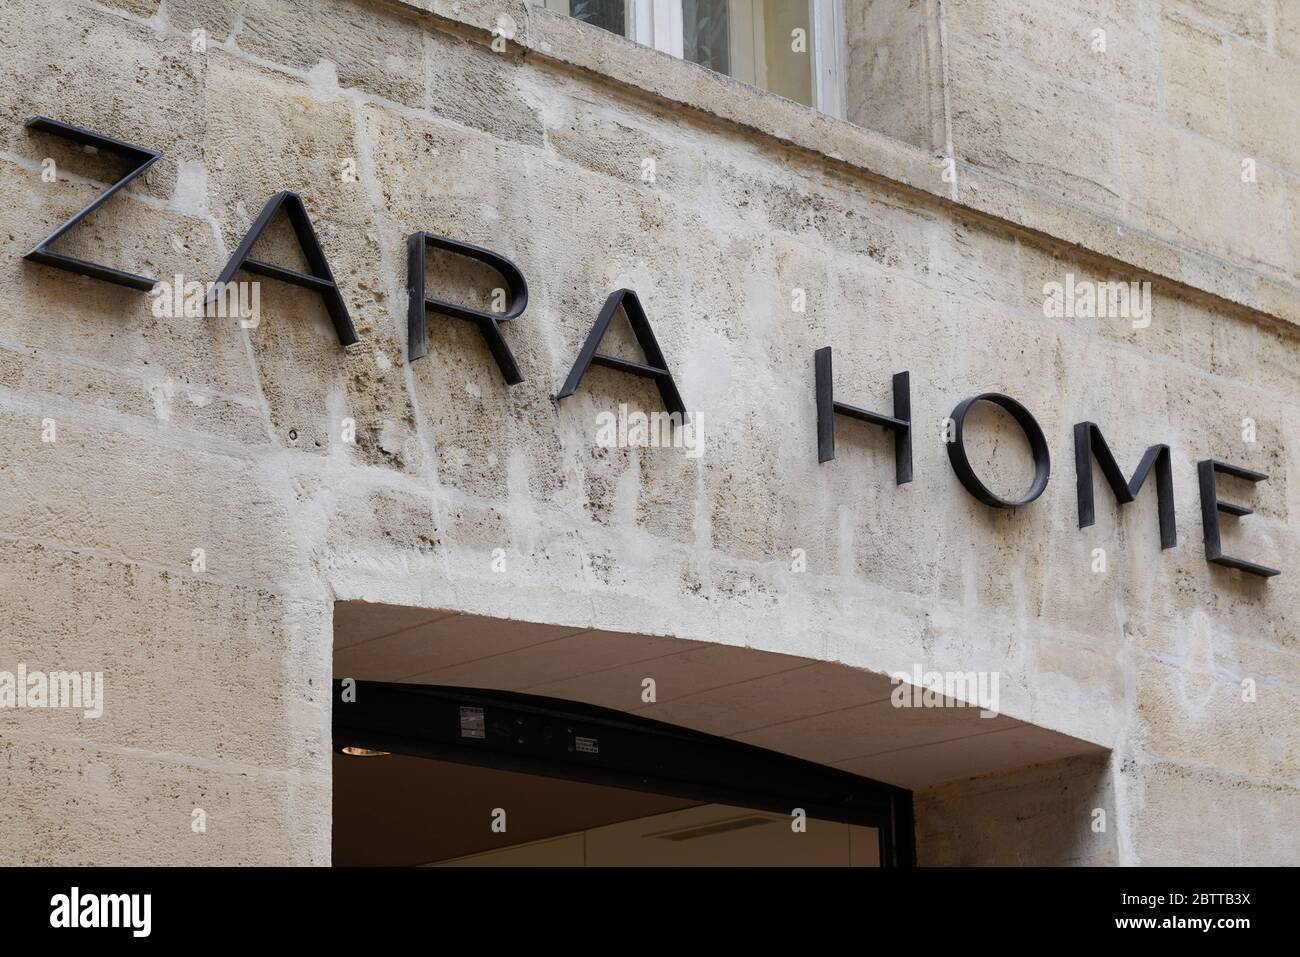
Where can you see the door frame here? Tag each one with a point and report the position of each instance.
(581, 742)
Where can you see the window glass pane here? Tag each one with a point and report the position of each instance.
(787, 51)
(768, 43)
(706, 37)
(609, 15)
(764, 42)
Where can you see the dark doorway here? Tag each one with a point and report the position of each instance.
(433, 775)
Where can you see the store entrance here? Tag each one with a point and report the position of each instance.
(429, 775)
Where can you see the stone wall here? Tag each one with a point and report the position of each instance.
(1059, 813)
(1141, 112)
(176, 434)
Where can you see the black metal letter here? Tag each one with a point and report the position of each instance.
(320, 279)
(142, 159)
(1037, 444)
(655, 367)
(1088, 439)
(1211, 506)
(489, 324)
(900, 423)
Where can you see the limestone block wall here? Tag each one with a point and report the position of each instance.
(1142, 112)
(182, 433)
(1049, 812)
(894, 74)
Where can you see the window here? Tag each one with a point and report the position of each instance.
(790, 47)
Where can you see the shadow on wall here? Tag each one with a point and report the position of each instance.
(1056, 814)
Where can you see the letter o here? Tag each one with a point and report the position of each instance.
(1037, 445)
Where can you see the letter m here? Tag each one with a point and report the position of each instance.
(1088, 441)
(117, 910)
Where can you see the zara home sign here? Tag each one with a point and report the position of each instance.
(1089, 443)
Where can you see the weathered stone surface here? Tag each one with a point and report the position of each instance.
(1173, 801)
(232, 507)
(463, 493)
(894, 70)
(107, 806)
(1287, 25)
(1248, 19)
(1264, 109)
(1178, 181)
(1196, 79)
(1052, 824)
(1036, 101)
(154, 632)
(265, 132)
(82, 65)
(1007, 117)
(1103, 44)
(98, 325)
(349, 42)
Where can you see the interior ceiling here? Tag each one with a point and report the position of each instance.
(821, 711)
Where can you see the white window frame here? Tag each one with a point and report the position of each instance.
(659, 24)
(830, 50)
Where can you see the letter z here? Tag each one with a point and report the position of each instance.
(142, 159)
